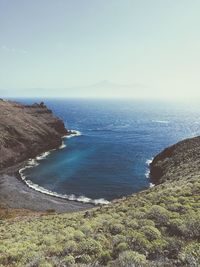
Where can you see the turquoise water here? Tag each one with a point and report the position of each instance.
(109, 158)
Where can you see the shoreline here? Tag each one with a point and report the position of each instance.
(81, 199)
(24, 147)
(11, 179)
(16, 194)
(31, 163)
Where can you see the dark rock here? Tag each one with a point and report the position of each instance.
(177, 162)
(26, 131)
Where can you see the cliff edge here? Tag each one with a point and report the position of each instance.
(177, 162)
(26, 131)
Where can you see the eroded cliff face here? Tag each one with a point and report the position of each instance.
(26, 131)
(178, 162)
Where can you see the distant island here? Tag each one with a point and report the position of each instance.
(159, 226)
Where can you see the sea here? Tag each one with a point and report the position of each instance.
(115, 140)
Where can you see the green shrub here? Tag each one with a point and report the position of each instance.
(84, 259)
(69, 260)
(36, 261)
(151, 232)
(121, 247)
(157, 248)
(193, 226)
(173, 247)
(131, 258)
(103, 240)
(116, 228)
(86, 229)
(190, 255)
(90, 247)
(176, 227)
(138, 242)
(146, 222)
(78, 235)
(55, 249)
(159, 214)
(131, 223)
(70, 247)
(105, 257)
(45, 264)
(118, 239)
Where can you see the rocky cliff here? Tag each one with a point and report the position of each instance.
(27, 130)
(178, 162)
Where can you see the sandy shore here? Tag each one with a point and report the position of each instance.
(14, 193)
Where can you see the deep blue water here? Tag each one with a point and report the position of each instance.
(109, 159)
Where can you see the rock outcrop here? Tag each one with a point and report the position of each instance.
(178, 162)
(26, 131)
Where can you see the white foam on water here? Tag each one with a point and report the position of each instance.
(147, 173)
(73, 133)
(72, 197)
(148, 162)
(160, 121)
(34, 162)
(151, 185)
(101, 201)
(63, 145)
(43, 155)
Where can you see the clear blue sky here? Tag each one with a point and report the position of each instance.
(138, 48)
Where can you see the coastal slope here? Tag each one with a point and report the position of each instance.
(156, 227)
(25, 132)
(177, 162)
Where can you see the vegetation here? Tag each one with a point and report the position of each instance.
(157, 227)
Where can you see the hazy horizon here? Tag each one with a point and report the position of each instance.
(99, 49)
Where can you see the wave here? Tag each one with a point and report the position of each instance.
(63, 145)
(73, 133)
(147, 173)
(114, 129)
(160, 121)
(72, 197)
(43, 155)
(148, 162)
(30, 164)
(34, 162)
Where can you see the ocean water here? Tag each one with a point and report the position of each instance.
(109, 156)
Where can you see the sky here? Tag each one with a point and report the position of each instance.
(100, 48)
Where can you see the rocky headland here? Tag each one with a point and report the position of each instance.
(177, 162)
(25, 132)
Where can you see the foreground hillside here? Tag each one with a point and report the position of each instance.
(156, 227)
